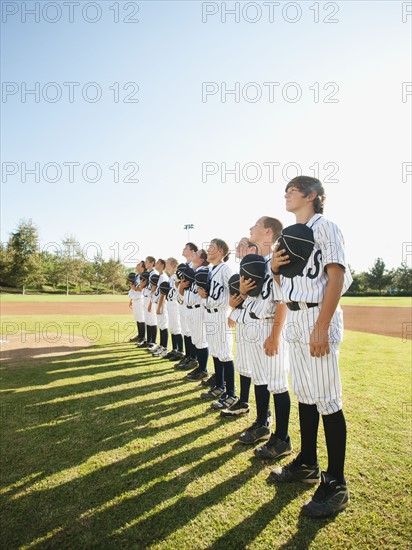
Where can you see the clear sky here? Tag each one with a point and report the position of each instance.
(321, 88)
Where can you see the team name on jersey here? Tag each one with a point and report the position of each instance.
(216, 290)
(267, 287)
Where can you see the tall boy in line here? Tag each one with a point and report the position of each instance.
(316, 329)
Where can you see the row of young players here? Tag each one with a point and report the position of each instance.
(262, 352)
(203, 320)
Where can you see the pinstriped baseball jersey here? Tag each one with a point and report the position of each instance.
(311, 285)
(147, 291)
(263, 306)
(183, 309)
(218, 335)
(329, 249)
(241, 316)
(162, 318)
(173, 307)
(137, 305)
(218, 296)
(191, 296)
(265, 370)
(156, 295)
(316, 380)
(173, 292)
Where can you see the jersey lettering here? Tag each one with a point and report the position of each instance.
(266, 289)
(316, 259)
(216, 290)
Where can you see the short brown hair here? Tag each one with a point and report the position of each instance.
(203, 256)
(306, 185)
(273, 224)
(192, 247)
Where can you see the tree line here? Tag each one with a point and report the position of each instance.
(23, 266)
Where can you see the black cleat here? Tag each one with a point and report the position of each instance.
(329, 498)
(296, 471)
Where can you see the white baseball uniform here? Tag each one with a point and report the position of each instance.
(150, 317)
(195, 314)
(183, 314)
(218, 334)
(241, 316)
(162, 318)
(137, 302)
(173, 308)
(316, 380)
(265, 370)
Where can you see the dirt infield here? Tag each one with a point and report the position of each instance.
(22, 346)
(388, 321)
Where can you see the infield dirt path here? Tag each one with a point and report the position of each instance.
(388, 321)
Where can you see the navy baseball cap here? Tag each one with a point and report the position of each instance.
(253, 266)
(131, 277)
(202, 279)
(181, 268)
(298, 242)
(154, 279)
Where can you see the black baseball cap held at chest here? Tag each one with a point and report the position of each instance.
(253, 266)
(298, 241)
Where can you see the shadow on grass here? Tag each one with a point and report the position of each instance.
(85, 460)
(306, 531)
(107, 488)
(244, 533)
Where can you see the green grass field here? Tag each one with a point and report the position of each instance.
(110, 448)
(393, 301)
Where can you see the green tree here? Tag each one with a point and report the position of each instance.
(359, 284)
(5, 265)
(51, 268)
(98, 271)
(378, 277)
(71, 261)
(402, 278)
(113, 274)
(25, 261)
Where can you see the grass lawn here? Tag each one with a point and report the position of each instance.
(393, 301)
(109, 448)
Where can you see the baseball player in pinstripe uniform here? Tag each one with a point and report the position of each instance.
(266, 350)
(188, 253)
(158, 300)
(174, 312)
(218, 335)
(195, 317)
(150, 316)
(136, 303)
(314, 329)
(239, 317)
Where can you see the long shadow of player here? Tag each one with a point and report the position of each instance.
(249, 529)
(306, 531)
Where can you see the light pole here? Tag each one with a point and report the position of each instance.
(188, 226)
